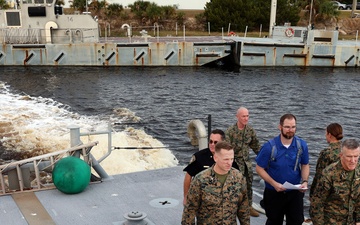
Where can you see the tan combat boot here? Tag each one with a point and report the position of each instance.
(254, 213)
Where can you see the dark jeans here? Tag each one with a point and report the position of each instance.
(278, 204)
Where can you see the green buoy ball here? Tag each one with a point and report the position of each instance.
(71, 175)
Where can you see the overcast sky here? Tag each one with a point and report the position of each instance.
(183, 4)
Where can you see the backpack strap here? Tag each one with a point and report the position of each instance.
(273, 151)
(299, 153)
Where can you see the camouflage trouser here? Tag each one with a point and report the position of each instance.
(248, 174)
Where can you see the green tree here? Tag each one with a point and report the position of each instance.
(180, 18)
(287, 12)
(327, 10)
(4, 4)
(113, 10)
(59, 2)
(139, 9)
(79, 5)
(248, 13)
(97, 6)
(169, 12)
(238, 13)
(153, 13)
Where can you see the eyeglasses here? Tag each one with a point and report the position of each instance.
(211, 141)
(288, 127)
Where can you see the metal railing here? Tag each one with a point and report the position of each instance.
(14, 171)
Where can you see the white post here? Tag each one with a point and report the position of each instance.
(176, 29)
(245, 31)
(184, 31)
(209, 28)
(357, 32)
(260, 30)
(105, 33)
(157, 27)
(311, 10)
(272, 17)
(222, 33)
(229, 28)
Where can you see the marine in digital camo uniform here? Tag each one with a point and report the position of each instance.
(243, 139)
(335, 200)
(329, 155)
(217, 196)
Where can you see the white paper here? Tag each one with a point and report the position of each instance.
(291, 186)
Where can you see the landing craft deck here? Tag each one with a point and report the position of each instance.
(157, 193)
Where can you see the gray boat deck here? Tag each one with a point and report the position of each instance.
(158, 193)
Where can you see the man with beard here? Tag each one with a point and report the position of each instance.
(286, 160)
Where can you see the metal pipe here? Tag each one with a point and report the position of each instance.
(75, 139)
(99, 170)
(209, 126)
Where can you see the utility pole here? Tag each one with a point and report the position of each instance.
(272, 17)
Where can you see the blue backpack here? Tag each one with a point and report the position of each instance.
(298, 155)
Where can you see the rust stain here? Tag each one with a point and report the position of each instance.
(26, 56)
(150, 56)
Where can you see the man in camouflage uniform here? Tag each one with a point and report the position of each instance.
(336, 198)
(334, 134)
(218, 195)
(203, 159)
(243, 137)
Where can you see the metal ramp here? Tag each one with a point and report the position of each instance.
(17, 176)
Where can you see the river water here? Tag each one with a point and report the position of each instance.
(154, 106)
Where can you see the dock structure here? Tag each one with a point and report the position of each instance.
(297, 46)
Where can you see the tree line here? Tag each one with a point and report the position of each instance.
(220, 14)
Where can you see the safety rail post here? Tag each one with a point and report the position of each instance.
(20, 177)
(209, 126)
(37, 174)
(2, 183)
(75, 139)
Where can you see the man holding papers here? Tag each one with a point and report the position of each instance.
(284, 159)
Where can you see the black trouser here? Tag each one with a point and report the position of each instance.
(278, 204)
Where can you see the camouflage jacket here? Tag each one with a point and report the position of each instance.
(213, 203)
(326, 157)
(242, 141)
(336, 199)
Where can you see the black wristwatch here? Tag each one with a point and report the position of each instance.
(304, 181)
